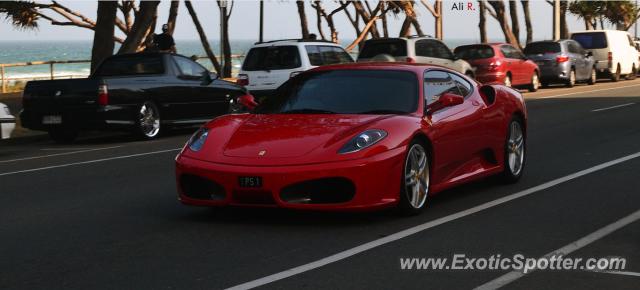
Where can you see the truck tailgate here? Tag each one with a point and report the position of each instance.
(61, 94)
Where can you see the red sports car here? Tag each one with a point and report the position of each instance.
(502, 63)
(354, 137)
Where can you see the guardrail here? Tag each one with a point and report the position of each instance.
(5, 79)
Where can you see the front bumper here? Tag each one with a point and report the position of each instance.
(377, 182)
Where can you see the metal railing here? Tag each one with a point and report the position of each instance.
(5, 79)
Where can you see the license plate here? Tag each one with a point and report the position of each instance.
(250, 181)
(51, 120)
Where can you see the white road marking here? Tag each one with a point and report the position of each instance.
(613, 107)
(585, 92)
(419, 228)
(88, 162)
(564, 251)
(57, 154)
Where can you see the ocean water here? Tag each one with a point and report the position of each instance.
(27, 51)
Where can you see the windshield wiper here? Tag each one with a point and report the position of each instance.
(308, 111)
(382, 112)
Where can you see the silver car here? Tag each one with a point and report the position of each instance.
(563, 61)
(421, 49)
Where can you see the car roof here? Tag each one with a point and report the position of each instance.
(295, 42)
(404, 66)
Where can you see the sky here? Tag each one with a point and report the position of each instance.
(282, 21)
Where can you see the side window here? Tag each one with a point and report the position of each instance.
(188, 67)
(463, 85)
(314, 54)
(436, 83)
(510, 52)
(432, 48)
(331, 55)
(506, 51)
(572, 47)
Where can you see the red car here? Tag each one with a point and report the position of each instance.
(501, 63)
(354, 137)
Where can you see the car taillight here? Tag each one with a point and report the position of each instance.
(242, 80)
(562, 58)
(411, 60)
(103, 95)
(610, 58)
(494, 65)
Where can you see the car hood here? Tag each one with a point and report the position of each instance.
(292, 135)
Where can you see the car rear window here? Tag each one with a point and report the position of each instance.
(326, 54)
(542, 48)
(474, 52)
(131, 65)
(272, 58)
(591, 40)
(346, 92)
(393, 47)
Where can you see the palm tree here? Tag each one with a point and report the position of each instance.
(226, 11)
(499, 13)
(589, 11)
(103, 43)
(527, 19)
(203, 37)
(622, 14)
(303, 19)
(145, 18)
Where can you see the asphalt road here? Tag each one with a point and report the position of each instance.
(102, 213)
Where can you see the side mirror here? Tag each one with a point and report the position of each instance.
(446, 100)
(247, 101)
(207, 77)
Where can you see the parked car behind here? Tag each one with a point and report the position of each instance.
(562, 61)
(269, 64)
(501, 63)
(142, 92)
(424, 50)
(613, 50)
(7, 122)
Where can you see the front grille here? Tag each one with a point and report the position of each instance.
(319, 191)
(197, 187)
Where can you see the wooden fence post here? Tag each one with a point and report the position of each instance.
(4, 82)
(51, 69)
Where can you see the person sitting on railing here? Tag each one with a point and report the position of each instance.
(164, 42)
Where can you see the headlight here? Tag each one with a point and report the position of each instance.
(197, 140)
(363, 140)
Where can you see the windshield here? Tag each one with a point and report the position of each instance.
(392, 47)
(272, 58)
(591, 40)
(345, 92)
(474, 52)
(542, 48)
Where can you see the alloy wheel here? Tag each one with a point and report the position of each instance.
(515, 149)
(149, 120)
(416, 176)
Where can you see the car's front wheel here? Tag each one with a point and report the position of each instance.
(535, 83)
(415, 179)
(593, 78)
(148, 124)
(514, 151)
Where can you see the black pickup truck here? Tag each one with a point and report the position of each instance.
(143, 92)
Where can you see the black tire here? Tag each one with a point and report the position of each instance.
(593, 78)
(405, 206)
(470, 75)
(572, 79)
(633, 74)
(508, 174)
(535, 82)
(63, 135)
(508, 81)
(616, 76)
(148, 128)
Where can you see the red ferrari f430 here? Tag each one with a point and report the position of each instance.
(355, 137)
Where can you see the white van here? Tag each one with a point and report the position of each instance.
(269, 64)
(614, 52)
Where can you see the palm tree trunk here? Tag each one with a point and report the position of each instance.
(515, 24)
(527, 20)
(173, 15)
(564, 28)
(203, 37)
(405, 30)
(103, 42)
(140, 28)
(509, 37)
(226, 45)
(482, 24)
(303, 19)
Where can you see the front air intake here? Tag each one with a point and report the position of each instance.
(319, 191)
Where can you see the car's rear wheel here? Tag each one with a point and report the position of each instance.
(63, 135)
(593, 78)
(535, 83)
(148, 121)
(633, 74)
(572, 79)
(616, 76)
(507, 81)
(514, 151)
(415, 179)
